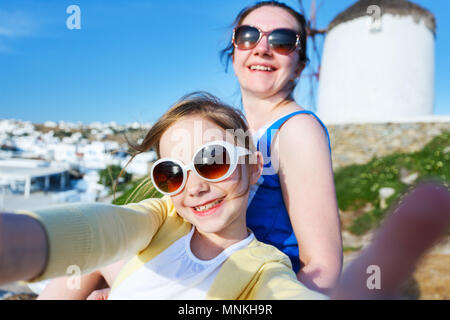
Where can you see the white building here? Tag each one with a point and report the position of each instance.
(141, 164)
(14, 171)
(63, 152)
(378, 63)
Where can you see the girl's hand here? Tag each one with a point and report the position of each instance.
(99, 294)
(413, 227)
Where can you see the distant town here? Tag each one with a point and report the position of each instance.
(64, 159)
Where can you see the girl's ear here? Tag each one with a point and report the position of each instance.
(256, 167)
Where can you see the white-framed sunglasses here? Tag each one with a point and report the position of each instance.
(214, 161)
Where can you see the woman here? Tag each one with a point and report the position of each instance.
(294, 206)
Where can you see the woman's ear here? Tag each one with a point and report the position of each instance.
(256, 167)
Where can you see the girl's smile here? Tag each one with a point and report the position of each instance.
(208, 208)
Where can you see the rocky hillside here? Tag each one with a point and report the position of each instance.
(359, 143)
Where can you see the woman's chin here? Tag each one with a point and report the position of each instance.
(261, 90)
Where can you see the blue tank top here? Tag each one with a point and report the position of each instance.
(267, 215)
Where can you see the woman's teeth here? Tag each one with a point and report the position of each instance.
(261, 68)
(208, 206)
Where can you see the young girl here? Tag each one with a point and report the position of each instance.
(191, 244)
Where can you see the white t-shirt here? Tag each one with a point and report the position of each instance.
(175, 274)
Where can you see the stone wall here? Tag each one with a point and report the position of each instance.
(359, 143)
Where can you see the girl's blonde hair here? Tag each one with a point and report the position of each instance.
(201, 104)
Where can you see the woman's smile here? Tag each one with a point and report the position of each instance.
(261, 67)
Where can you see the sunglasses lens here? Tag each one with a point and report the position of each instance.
(167, 176)
(246, 37)
(212, 162)
(283, 40)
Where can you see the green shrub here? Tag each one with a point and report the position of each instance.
(357, 185)
(140, 190)
(109, 177)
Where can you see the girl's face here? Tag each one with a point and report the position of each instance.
(180, 141)
(284, 67)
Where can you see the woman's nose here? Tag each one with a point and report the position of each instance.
(263, 46)
(196, 186)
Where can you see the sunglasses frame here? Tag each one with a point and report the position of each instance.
(235, 152)
(266, 33)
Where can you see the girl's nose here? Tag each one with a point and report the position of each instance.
(196, 186)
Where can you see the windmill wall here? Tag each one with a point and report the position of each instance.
(377, 72)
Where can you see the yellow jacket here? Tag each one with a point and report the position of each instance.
(94, 235)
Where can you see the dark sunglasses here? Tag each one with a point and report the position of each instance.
(214, 162)
(282, 41)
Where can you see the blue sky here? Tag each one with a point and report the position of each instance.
(132, 59)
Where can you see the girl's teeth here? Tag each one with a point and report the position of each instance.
(208, 206)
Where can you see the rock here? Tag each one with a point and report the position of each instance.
(384, 194)
(410, 178)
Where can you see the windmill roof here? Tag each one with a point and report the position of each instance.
(395, 7)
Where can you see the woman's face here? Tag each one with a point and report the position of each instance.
(284, 67)
(180, 141)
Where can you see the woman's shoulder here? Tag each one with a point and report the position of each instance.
(302, 131)
(302, 121)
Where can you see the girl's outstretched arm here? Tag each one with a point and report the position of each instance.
(415, 224)
(46, 243)
(23, 247)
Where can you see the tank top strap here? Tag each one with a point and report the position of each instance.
(272, 129)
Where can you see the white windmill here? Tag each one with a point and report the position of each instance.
(378, 63)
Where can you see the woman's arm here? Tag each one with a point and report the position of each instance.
(64, 288)
(307, 182)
